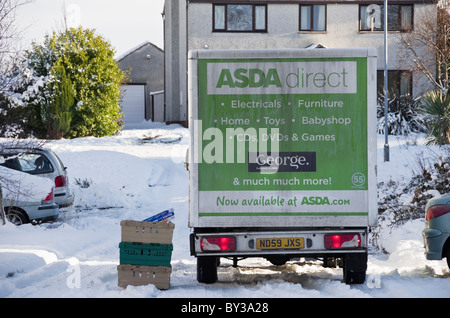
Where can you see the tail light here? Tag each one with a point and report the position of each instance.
(49, 197)
(218, 243)
(436, 211)
(60, 181)
(342, 241)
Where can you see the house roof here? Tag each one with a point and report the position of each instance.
(136, 48)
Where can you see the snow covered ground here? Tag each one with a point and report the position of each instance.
(139, 173)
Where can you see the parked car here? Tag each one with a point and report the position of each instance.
(436, 234)
(41, 162)
(27, 198)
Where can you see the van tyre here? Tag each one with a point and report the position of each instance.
(207, 269)
(278, 260)
(354, 268)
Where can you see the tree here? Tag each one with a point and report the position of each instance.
(87, 61)
(9, 34)
(8, 55)
(56, 114)
(428, 50)
(428, 45)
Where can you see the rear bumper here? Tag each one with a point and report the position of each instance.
(246, 246)
(64, 199)
(434, 241)
(45, 212)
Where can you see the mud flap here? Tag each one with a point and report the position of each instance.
(355, 267)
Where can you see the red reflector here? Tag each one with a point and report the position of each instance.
(437, 211)
(49, 197)
(218, 243)
(60, 181)
(342, 241)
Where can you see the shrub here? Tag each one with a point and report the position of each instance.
(56, 113)
(403, 117)
(69, 86)
(436, 107)
(408, 201)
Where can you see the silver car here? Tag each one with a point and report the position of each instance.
(41, 162)
(27, 198)
(436, 234)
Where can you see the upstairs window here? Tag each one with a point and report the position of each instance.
(240, 18)
(400, 17)
(313, 17)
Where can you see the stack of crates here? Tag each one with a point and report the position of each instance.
(145, 253)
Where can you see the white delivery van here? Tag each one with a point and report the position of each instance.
(282, 156)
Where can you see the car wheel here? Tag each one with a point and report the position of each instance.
(16, 217)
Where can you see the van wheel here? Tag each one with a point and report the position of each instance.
(278, 260)
(207, 269)
(16, 217)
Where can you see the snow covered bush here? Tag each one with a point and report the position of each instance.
(400, 202)
(15, 116)
(407, 201)
(68, 86)
(402, 116)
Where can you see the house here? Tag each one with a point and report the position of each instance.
(259, 24)
(143, 93)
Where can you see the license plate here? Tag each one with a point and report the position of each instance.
(280, 243)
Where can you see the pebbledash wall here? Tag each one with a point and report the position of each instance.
(193, 26)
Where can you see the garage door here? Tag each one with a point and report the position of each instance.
(133, 103)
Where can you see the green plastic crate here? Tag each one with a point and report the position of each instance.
(145, 254)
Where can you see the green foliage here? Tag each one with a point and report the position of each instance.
(85, 61)
(60, 107)
(436, 107)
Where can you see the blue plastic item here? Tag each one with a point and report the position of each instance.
(167, 214)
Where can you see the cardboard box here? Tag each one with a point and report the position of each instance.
(147, 232)
(138, 275)
(145, 254)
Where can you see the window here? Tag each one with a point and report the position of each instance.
(400, 17)
(29, 162)
(399, 83)
(240, 18)
(313, 18)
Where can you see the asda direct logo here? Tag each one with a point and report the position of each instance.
(282, 77)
